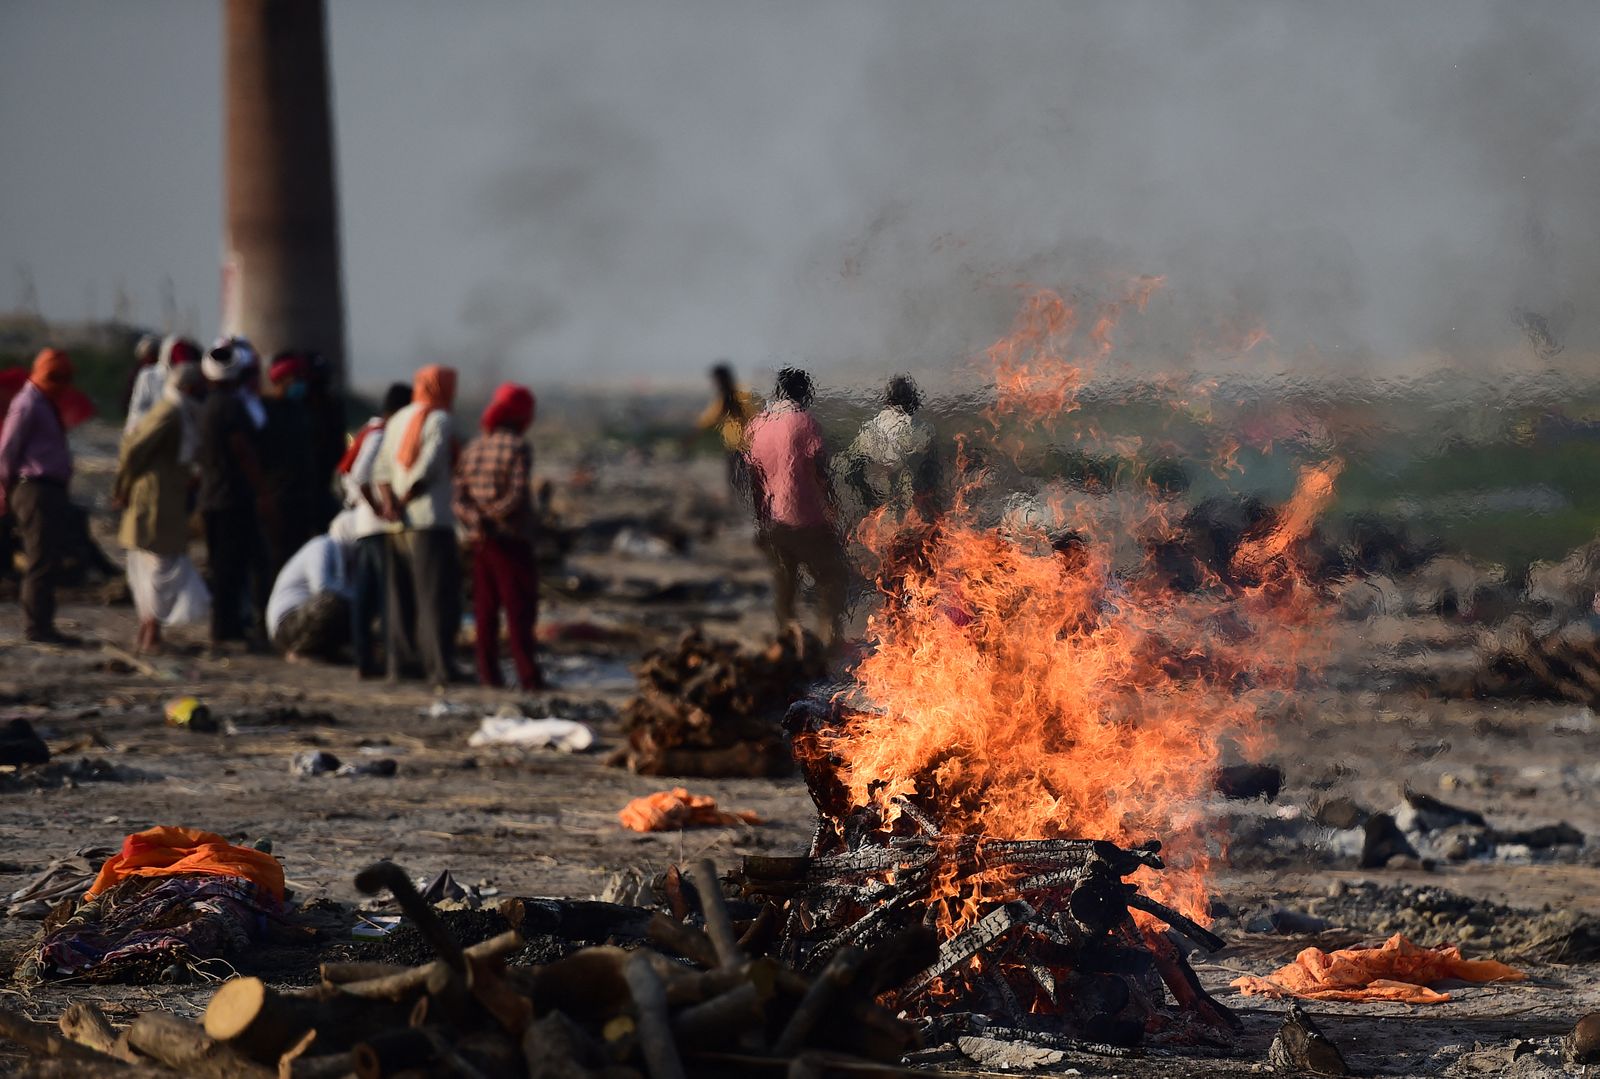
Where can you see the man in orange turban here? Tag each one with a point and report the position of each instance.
(35, 468)
(413, 477)
(494, 503)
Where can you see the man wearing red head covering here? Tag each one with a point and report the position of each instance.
(35, 468)
(288, 463)
(412, 477)
(494, 503)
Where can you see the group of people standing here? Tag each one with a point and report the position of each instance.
(314, 539)
(310, 540)
(777, 458)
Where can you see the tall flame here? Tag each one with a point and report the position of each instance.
(1020, 688)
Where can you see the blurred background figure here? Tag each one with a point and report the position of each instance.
(155, 474)
(288, 461)
(325, 406)
(308, 613)
(35, 469)
(369, 563)
(413, 476)
(728, 414)
(892, 461)
(794, 505)
(145, 353)
(150, 382)
(494, 503)
(232, 496)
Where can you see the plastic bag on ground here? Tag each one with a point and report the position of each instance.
(565, 735)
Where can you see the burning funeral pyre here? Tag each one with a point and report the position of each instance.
(1020, 762)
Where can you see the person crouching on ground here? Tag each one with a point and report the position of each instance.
(413, 477)
(494, 503)
(308, 613)
(35, 468)
(370, 563)
(154, 477)
(794, 505)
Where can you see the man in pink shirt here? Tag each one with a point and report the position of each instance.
(794, 505)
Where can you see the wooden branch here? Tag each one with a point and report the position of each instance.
(412, 980)
(719, 926)
(186, 1048)
(86, 1024)
(44, 1040)
(655, 1032)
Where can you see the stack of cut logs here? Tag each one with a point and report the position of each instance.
(708, 708)
(598, 1012)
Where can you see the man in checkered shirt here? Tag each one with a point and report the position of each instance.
(494, 503)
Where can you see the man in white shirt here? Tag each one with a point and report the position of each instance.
(308, 613)
(369, 563)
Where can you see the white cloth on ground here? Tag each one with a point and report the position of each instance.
(169, 589)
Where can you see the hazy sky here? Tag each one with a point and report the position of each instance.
(603, 190)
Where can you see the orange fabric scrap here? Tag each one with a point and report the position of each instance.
(668, 811)
(164, 851)
(1398, 971)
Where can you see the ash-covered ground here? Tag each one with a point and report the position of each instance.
(1358, 745)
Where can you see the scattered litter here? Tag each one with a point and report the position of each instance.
(383, 768)
(376, 926)
(564, 735)
(1300, 1048)
(443, 707)
(187, 713)
(64, 878)
(313, 763)
(1398, 971)
(637, 543)
(590, 674)
(670, 811)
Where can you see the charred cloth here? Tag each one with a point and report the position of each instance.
(710, 708)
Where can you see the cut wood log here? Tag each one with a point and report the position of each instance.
(186, 1048)
(86, 1024)
(44, 1040)
(57, 1068)
(654, 1031)
(410, 981)
(258, 1021)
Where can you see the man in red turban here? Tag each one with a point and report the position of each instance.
(494, 503)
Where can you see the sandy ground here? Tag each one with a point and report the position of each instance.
(546, 825)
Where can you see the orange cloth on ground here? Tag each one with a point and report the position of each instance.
(164, 851)
(1399, 971)
(668, 811)
(433, 391)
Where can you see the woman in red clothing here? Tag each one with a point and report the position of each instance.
(494, 502)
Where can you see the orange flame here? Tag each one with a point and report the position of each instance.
(1022, 689)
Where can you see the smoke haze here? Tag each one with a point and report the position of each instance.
(614, 191)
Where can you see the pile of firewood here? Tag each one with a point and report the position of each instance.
(1041, 940)
(600, 1012)
(710, 708)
